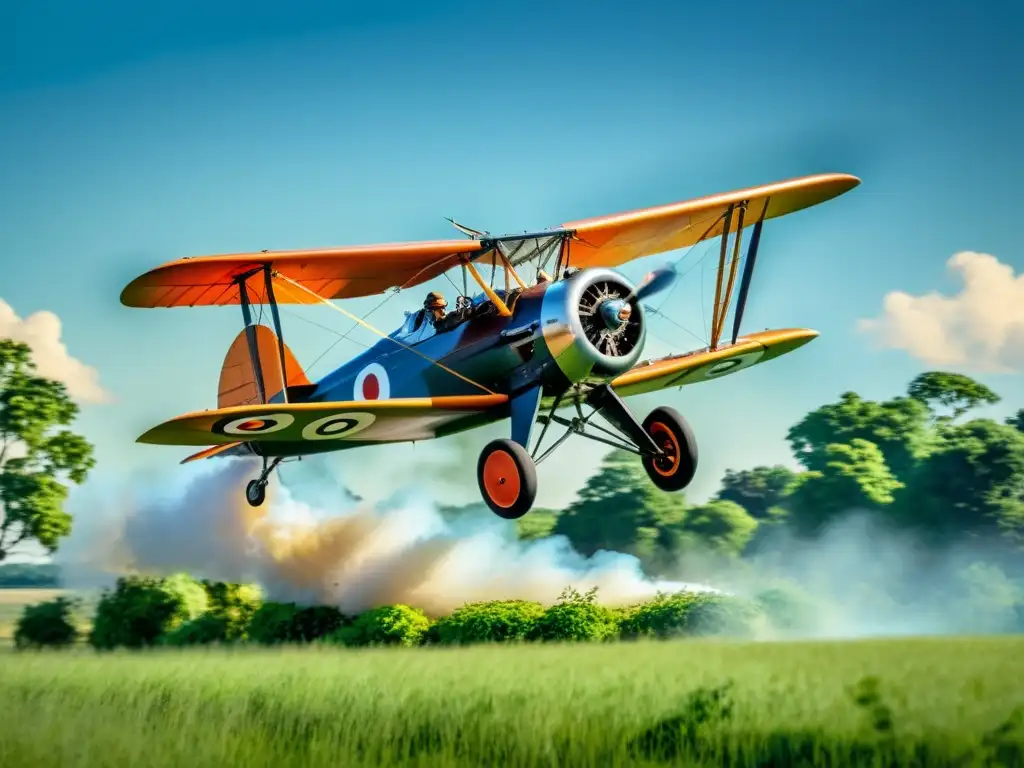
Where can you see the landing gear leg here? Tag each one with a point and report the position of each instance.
(256, 490)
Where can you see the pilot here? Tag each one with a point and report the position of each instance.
(435, 305)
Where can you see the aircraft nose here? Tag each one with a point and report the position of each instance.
(615, 312)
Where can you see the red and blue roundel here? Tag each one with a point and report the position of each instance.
(372, 383)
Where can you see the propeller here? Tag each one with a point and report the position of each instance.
(657, 281)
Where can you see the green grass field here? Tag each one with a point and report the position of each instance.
(600, 705)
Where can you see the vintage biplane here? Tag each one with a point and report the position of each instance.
(570, 338)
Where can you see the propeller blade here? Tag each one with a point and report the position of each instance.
(657, 281)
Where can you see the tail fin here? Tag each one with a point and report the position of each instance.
(238, 379)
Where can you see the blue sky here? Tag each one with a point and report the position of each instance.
(131, 134)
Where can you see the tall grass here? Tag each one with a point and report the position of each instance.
(936, 702)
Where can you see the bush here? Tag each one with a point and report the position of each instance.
(46, 624)
(140, 610)
(387, 625)
(691, 613)
(663, 616)
(787, 609)
(575, 617)
(724, 616)
(204, 630)
(274, 623)
(496, 621)
(234, 605)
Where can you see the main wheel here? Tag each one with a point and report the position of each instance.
(675, 470)
(508, 478)
(256, 493)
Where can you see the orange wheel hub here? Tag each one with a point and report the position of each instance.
(669, 464)
(501, 479)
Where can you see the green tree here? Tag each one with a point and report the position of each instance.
(38, 455)
(900, 428)
(46, 624)
(621, 510)
(950, 390)
(140, 610)
(722, 526)
(973, 484)
(1017, 420)
(539, 524)
(760, 491)
(854, 476)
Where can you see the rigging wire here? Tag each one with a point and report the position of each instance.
(382, 334)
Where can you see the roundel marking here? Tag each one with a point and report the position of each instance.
(372, 383)
(337, 426)
(253, 425)
(721, 368)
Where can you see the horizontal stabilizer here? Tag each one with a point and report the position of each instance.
(370, 421)
(704, 365)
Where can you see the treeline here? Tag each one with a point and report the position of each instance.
(142, 612)
(29, 576)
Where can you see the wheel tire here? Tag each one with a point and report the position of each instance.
(674, 436)
(256, 493)
(508, 478)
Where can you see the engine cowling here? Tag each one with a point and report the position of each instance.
(594, 326)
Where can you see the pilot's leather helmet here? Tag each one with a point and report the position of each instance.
(435, 300)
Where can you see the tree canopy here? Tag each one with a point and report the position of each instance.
(950, 390)
(38, 453)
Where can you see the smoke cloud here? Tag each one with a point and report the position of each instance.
(354, 555)
(326, 547)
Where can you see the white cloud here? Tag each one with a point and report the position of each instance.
(41, 331)
(979, 328)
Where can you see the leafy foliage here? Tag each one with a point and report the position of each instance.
(50, 623)
(141, 609)
(38, 454)
(233, 605)
(387, 625)
(950, 390)
(575, 617)
(760, 491)
(787, 609)
(721, 526)
(489, 622)
(203, 630)
(619, 509)
(900, 428)
(852, 476)
(275, 623)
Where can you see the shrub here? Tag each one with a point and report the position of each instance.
(787, 609)
(496, 621)
(724, 616)
(141, 609)
(663, 616)
(386, 625)
(204, 630)
(575, 617)
(274, 623)
(234, 605)
(46, 624)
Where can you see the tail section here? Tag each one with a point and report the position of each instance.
(238, 379)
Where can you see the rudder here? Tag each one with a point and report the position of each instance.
(238, 379)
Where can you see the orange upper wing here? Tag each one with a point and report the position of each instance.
(609, 241)
(333, 273)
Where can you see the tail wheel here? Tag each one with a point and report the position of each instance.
(508, 478)
(256, 493)
(675, 470)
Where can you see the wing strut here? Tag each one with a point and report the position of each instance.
(721, 274)
(748, 272)
(268, 278)
(732, 276)
(250, 335)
